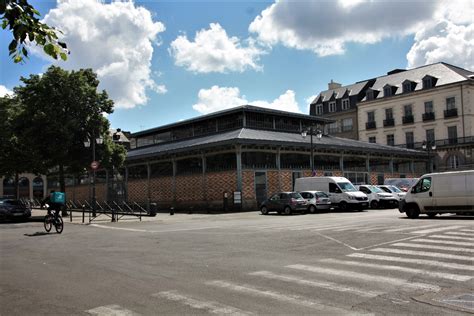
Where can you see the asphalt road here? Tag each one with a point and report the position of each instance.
(375, 262)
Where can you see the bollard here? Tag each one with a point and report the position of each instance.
(70, 216)
(171, 210)
(83, 211)
(153, 209)
(113, 215)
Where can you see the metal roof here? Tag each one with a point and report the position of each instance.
(266, 137)
(353, 89)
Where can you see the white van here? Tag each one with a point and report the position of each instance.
(437, 193)
(378, 197)
(340, 190)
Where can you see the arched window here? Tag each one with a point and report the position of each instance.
(38, 188)
(452, 162)
(9, 187)
(24, 187)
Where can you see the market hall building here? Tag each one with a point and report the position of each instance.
(234, 159)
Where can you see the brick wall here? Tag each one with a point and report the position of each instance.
(189, 188)
(286, 179)
(218, 182)
(161, 190)
(273, 183)
(248, 185)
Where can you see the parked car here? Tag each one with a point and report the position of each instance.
(438, 193)
(11, 208)
(377, 197)
(403, 184)
(340, 190)
(394, 190)
(284, 202)
(316, 200)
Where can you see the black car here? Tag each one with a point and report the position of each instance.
(284, 202)
(11, 208)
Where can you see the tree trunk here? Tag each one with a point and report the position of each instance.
(62, 188)
(17, 186)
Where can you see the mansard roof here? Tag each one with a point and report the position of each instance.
(444, 73)
(350, 90)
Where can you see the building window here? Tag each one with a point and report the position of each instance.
(410, 140)
(429, 107)
(319, 109)
(427, 83)
(369, 95)
(347, 124)
(452, 134)
(407, 110)
(371, 116)
(430, 135)
(406, 87)
(450, 103)
(372, 139)
(389, 114)
(452, 162)
(345, 104)
(391, 140)
(332, 106)
(333, 128)
(387, 91)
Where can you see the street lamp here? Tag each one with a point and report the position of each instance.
(316, 132)
(94, 165)
(429, 146)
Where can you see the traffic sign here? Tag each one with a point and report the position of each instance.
(95, 165)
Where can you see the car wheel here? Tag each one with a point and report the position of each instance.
(343, 206)
(287, 210)
(432, 215)
(413, 212)
(374, 204)
(264, 210)
(312, 209)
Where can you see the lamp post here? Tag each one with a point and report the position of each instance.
(94, 165)
(318, 133)
(429, 146)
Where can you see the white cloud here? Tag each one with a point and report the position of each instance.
(214, 51)
(324, 27)
(116, 40)
(5, 91)
(308, 102)
(219, 98)
(449, 38)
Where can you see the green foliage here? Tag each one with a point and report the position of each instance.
(56, 113)
(20, 18)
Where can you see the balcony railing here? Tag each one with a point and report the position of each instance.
(441, 143)
(370, 125)
(429, 116)
(408, 119)
(450, 113)
(389, 122)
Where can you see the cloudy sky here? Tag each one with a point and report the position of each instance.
(166, 61)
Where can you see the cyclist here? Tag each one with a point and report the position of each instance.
(52, 206)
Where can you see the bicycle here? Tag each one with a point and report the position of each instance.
(57, 221)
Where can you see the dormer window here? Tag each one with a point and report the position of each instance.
(408, 86)
(345, 104)
(369, 95)
(429, 82)
(319, 109)
(332, 106)
(387, 91)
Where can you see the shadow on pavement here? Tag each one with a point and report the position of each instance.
(39, 234)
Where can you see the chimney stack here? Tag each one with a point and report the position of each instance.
(333, 85)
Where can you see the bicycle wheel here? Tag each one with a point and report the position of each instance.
(59, 224)
(48, 222)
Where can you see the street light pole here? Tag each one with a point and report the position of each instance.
(93, 178)
(318, 134)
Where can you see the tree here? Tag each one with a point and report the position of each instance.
(56, 113)
(20, 17)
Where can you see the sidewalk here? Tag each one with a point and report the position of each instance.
(38, 215)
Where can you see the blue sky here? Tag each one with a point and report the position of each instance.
(165, 61)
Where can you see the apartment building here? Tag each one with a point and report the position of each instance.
(428, 108)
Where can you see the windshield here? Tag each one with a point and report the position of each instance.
(375, 189)
(395, 189)
(296, 196)
(346, 187)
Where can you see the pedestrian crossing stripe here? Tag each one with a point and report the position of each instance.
(320, 284)
(435, 230)
(444, 242)
(111, 310)
(460, 234)
(423, 254)
(452, 237)
(448, 276)
(423, 246)
(447, 265)
(209, 306)
(394, 230)
(367, 277)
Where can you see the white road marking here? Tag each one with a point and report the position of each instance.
(423, 246)
(377, 227)
(435, 230)
(153, 231)
(346, 227)
(338, 241)
(209, 306)
(366, 277)
(421, 262)
(394, 230)
(111, 310)
(467, 230)
(423, 253)
(445, 242)
(448, 276)
(326, 285)
(289, 298)
(121, 228)
(452, 237)
(460, 234)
